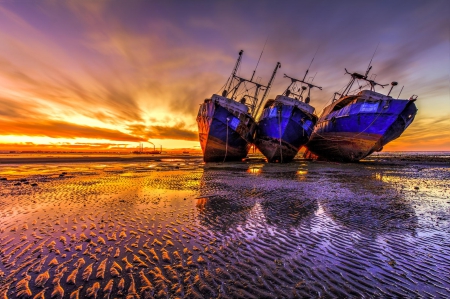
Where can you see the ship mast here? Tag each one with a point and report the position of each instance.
(232, 89)
(293, 81)
(253, 99)
(356, 76)
(288, 90)
(233, 74)
(267, 88)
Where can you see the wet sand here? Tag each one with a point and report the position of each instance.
(175, 227)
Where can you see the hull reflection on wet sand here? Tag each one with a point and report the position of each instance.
(180, 228)
(371, 209)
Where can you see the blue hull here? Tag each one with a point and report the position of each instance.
(360, 128)
(223, 135)
(282, 131)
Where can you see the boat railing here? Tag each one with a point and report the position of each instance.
(293, 102)
(231, 104)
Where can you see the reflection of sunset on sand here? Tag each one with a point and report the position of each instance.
(177, 227)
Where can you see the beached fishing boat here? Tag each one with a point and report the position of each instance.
(286, 123)
(226, 126)
(354, 126)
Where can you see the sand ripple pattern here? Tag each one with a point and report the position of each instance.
(184, 229)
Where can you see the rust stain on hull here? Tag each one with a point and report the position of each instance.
(217, 151)
(274, 152)
(343, 146)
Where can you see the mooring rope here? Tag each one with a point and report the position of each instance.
(226, 143)
(279, 132)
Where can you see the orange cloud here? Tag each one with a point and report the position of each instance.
(424, 134)
(59, 129)
(178, 131)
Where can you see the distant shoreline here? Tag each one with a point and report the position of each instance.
(29, 159)
(388, 157)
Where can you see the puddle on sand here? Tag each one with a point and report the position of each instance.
(229, 230)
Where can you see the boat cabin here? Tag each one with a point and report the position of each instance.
(370, 95)
(294, 102)
(231, 105)
(364, 95)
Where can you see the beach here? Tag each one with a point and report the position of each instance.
(171, 226)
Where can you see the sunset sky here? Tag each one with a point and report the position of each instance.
(77, 75)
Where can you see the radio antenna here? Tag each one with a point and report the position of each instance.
(400, 92)
(370, 63)
(259, 58)
(313, 78)
(306, 73)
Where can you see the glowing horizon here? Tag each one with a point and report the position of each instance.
(113, 75)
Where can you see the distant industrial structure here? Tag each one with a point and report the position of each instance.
(141, 150)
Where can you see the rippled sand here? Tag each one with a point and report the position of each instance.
(178, 228)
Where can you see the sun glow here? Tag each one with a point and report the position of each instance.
(36, 143)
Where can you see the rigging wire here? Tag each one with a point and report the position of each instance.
(226, 143)
(279, 132)
(259, 57)
(313, 78)
(307, 70)
(222, 87)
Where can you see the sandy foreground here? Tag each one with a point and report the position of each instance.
(174, 227)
